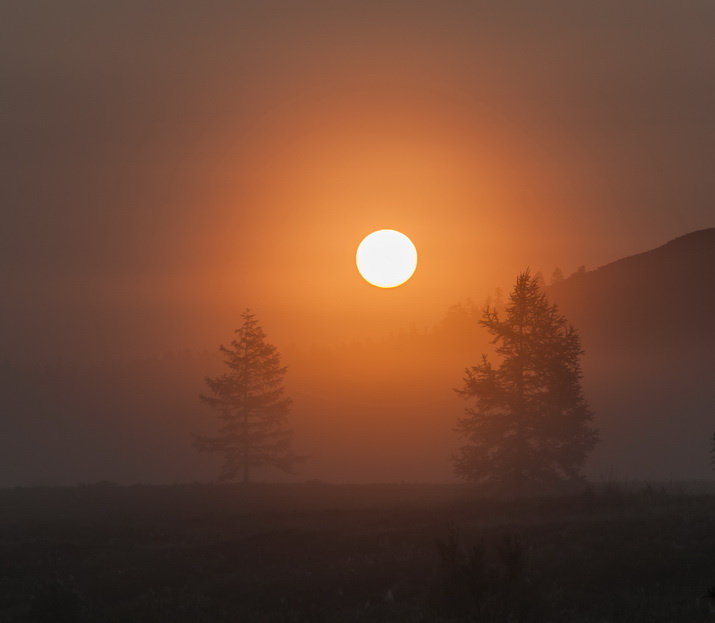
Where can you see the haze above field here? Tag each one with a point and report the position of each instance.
(167, 165)
(383, 410)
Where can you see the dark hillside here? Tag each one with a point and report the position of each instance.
(646, 323)
(655, 302)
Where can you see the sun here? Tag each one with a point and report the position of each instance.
(386, 258)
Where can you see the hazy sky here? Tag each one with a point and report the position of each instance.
(166, 164)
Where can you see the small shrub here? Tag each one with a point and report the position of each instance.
(55, 601)
(471, 589)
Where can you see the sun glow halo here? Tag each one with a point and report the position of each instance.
(386, 258)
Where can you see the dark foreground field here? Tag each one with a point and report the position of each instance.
(318, 553)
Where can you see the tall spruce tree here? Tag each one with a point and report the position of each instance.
(528, 424)
(252, 406)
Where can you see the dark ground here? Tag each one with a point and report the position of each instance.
(320, 553)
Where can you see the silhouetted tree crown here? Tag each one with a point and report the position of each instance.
(252, 406)
(528, 423)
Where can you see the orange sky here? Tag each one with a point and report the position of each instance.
(166, 165)
(166, 168)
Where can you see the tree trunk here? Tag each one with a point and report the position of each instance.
(246, 448)
(518, 484)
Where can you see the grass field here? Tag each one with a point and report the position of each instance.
(320, 553)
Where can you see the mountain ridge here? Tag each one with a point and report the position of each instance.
(664, 296)
(646, 326)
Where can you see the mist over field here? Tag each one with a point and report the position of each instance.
(383, 410)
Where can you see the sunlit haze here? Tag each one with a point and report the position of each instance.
(168, 166)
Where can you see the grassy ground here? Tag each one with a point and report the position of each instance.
(320, 553)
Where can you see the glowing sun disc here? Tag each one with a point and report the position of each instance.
(386, 258)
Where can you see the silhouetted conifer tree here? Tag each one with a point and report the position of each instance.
(252, 406)
(557, 275)
(529, 423)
